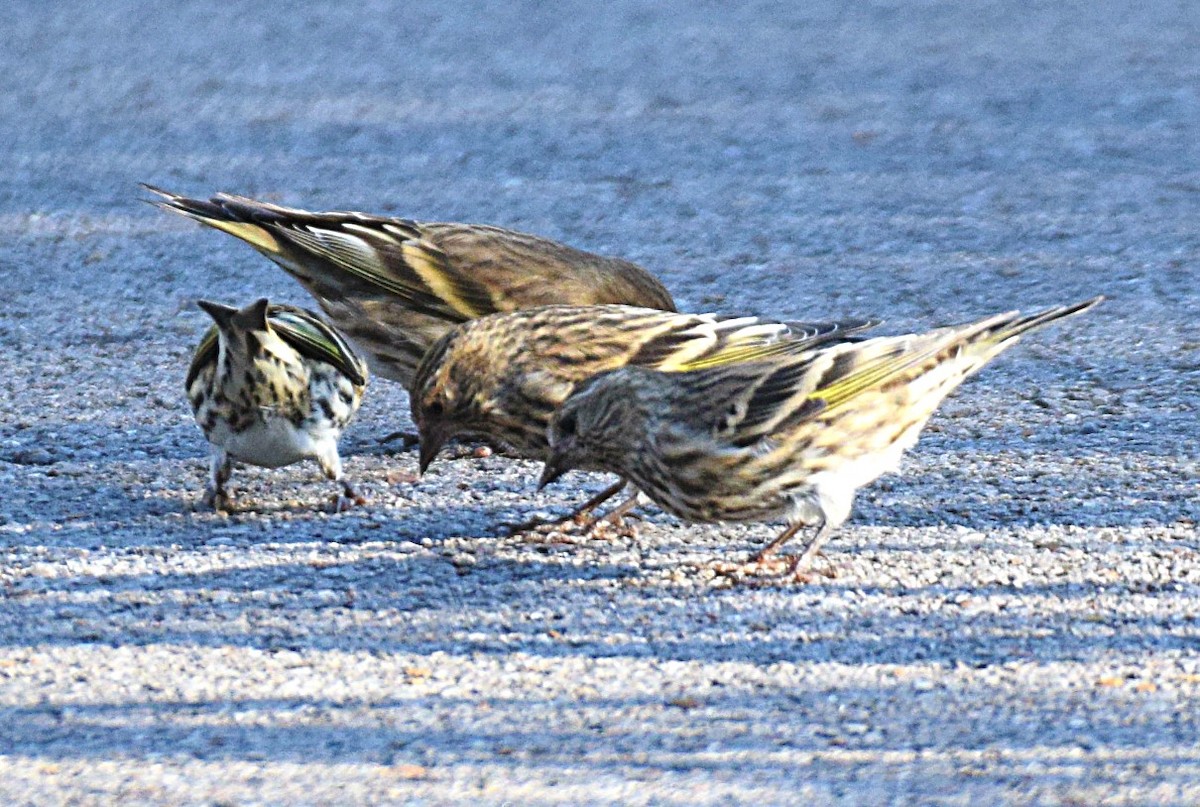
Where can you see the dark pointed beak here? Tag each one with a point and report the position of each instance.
(552, 470)
(433, 439)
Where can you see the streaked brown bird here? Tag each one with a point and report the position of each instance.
(791, 437)
(271, 385)
(503, 376)
(395, 285)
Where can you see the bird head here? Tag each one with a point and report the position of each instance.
(441, 402)
(563, 439)
(434, 427)
(251, 318)
(593, 426)
(236, 336)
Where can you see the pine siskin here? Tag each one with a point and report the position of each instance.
(271, 385)
(504, 376)
(791, 437)
(394, 286)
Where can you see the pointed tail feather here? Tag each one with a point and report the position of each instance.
(1013, 329)
(218, 215)
(981, 341)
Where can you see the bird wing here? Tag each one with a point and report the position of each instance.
(747, 345)
(521, 270)
(204, 354)
(904, 357)
(316, 339)
(788, 392)
(413, 269)
(707, 342)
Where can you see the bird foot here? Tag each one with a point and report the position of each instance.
(539, 531)
(572, 529)
(759, 567)
(409, 439)
(217, 500)
(607, 528)
(545, 535)
(345, 501)
(773, 569)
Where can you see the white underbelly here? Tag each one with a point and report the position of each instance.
(860, 472)
(270, 443)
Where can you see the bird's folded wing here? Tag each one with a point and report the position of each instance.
(313, 338)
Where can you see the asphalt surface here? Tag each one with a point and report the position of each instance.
(1014, 618)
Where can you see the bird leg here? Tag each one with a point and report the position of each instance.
(814, 546)
(578, 515)
(600, 498)
(331, 466)
(613, 518)
(773, 547)
(348, 498)
(215, 496)
(795, 566)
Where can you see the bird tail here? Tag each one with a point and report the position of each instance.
(1004, 333)
(344, 255)
(231, 214)
(967, 347)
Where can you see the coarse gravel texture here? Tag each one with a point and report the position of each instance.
(1014, 618)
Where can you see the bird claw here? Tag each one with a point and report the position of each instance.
(758, 567)
(217, 500)
(773, 569)
(830, 571)
(546, 535)
(345, 501)
(619, 527)
(538, 531)
(580, 526)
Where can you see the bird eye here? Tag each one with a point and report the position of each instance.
(568, 424)
(435, 409)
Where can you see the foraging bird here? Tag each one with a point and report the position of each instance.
(504, 376)
(394, 286)
(790, 437)
(271, 385)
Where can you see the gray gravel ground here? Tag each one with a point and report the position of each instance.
(1015, 618)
